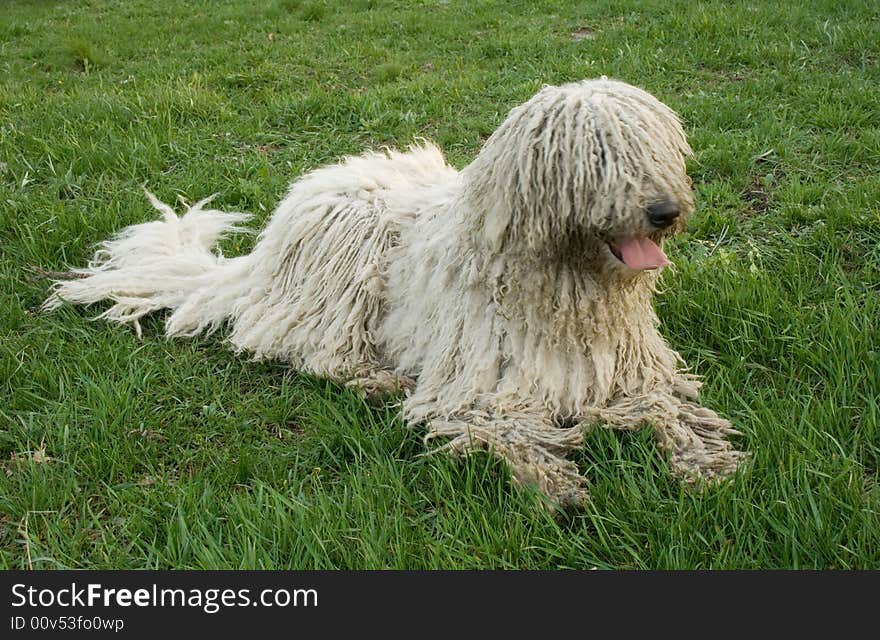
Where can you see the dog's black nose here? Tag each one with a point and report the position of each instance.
(662, 214)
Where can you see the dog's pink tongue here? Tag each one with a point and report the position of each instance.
(641, 253)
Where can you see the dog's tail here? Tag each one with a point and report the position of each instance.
(169, 263)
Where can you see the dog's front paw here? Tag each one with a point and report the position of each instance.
(697, 446)
(531, 446)
(558, 480)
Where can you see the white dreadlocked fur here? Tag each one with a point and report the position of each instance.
(496, 296)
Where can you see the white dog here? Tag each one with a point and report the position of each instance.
(511, 300)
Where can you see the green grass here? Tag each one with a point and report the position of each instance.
(122, 453)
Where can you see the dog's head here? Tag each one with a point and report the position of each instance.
(594, 169)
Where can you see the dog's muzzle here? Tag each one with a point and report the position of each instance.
(662, 214)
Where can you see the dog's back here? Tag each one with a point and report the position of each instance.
(310, 293)
(317, 270)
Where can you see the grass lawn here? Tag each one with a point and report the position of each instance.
(120, 453)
